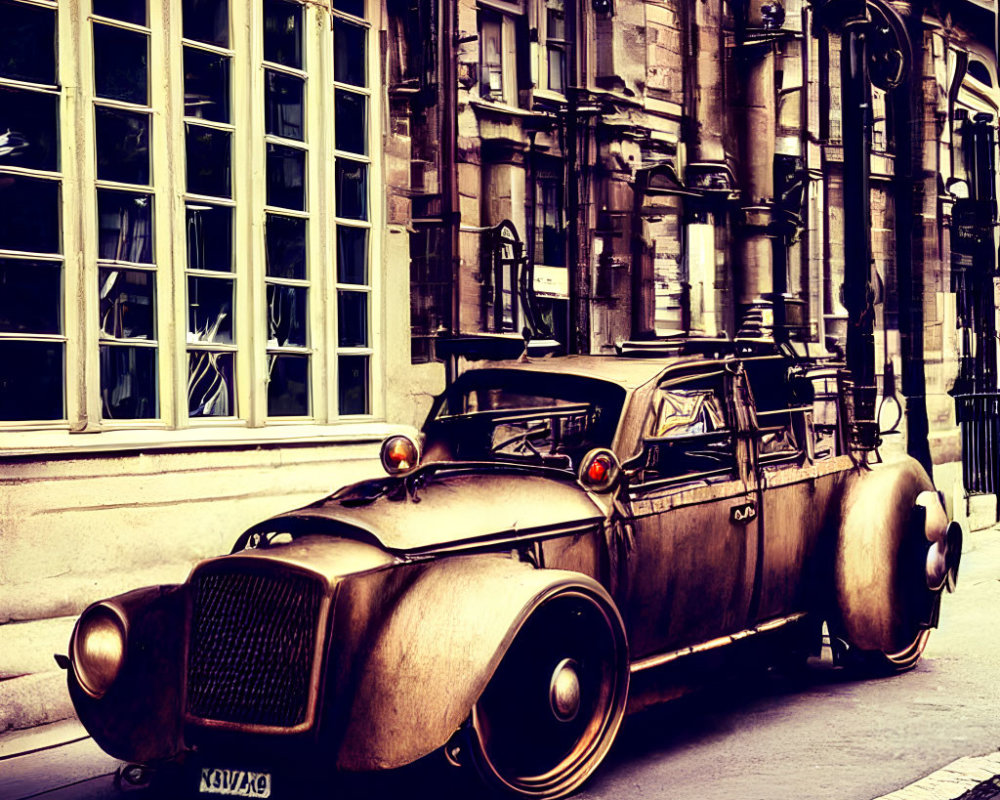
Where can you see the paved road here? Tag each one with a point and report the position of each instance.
(812, 736)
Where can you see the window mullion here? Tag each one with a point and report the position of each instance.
(79, 321)
(251, 149)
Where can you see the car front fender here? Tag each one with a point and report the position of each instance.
(139, 718)
(436, 652)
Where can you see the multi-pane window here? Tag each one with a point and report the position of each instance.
(209, 209)
(211, 178)
(555, 45)
(352, 228)
(502, 47)
(32, 335)
(286, 223)
(126, 274)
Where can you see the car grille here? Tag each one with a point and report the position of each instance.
(252, 646)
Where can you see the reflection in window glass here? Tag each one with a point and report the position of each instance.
(29, 129)
(687, 412)
(125, 226)
(349, 48)
(284, 104)
(285, 247)
(120, 64)
(206, 85)
(352, 319)
(208, 161)
(29, 296)
(210, 384)
(352, 384)
(122, 146)
(352, 189)
(209, 237)
(31, 385)
(29, 214)
(286, 316)
(283, 33)
(28, 44)
(352, 255)
(210, 310)
(355, 7)
(288, 386)
(351, 121)
(133, 11)
(207, 21)
(128, 382)
(286, 169)
(127, 298)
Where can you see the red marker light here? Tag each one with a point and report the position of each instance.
(598, 469)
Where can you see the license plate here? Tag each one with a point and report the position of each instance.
(234, 782)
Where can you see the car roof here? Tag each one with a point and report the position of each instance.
(629, 373)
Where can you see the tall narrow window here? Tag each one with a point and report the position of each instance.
(209, 210)
(32, 337)
(125, 256)
(352, 104)
(286, 224)
(555, 45)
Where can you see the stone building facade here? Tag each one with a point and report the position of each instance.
(679, 167)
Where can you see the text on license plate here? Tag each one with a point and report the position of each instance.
(236, 782)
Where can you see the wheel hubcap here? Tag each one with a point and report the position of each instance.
(564, 690)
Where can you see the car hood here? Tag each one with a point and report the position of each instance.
(446, 506)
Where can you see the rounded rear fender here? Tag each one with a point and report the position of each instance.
(436, 652)
(874, 606)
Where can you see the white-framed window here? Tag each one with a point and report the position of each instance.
(555, 46)
(501, 29)
(186, 239)
(32, 267)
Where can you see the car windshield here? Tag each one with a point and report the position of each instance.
(522, 416)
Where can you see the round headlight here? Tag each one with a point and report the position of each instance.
(98, 649)
(399, 454)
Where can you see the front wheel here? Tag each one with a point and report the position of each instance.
(552, 709)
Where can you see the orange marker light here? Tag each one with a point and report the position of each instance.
(399, 453)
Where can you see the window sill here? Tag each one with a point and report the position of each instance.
(63, 444)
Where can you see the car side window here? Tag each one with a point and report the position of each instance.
(781, 402)
(690, 437)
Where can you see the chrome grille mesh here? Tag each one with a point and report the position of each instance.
(253, 640)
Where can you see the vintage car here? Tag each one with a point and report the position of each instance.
(563, 528)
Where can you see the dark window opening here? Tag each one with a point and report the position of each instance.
(350, 47)
(28, 44)
(209, 157)
(122, 146)
(285, 247)
(120, 64)
(352, 385)
(288, 386)
(283, 33)
(125, 226)
(30, 293)
(29, 129)
(128, 382)
(286, 177)
(206, 85)
(210, 237)
(207, 21)
(210, 310)
(285, 105)
(29, 214)
(31, 382)
(286, 316)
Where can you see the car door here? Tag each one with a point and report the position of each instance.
(688, 574)
(797, 475)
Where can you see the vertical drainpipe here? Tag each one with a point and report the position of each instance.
(579, 275)
(758, 159)
(448, 130)
(707, 117)
(858, 294)
(908, 202)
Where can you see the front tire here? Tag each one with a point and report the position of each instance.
(552, 709)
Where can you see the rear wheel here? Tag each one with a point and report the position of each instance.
(552, 709)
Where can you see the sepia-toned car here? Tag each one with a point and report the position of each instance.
(562, 529)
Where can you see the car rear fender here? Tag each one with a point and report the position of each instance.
(878, 586)
(436, 652)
